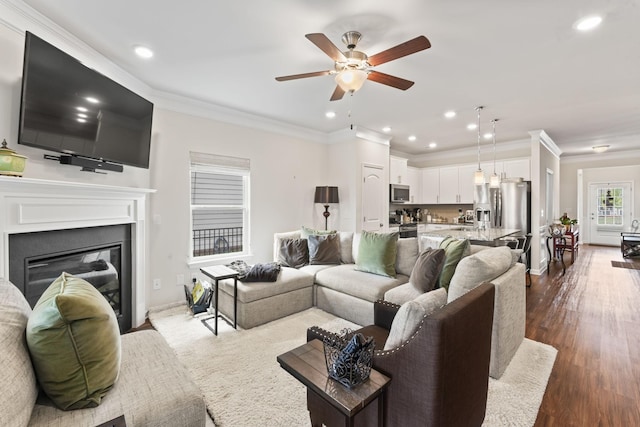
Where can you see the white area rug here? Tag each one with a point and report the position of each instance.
(244, 386)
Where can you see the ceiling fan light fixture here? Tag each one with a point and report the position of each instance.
(600, 148)
(351, 80)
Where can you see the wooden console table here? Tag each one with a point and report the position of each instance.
(329, 402)
(570, 243)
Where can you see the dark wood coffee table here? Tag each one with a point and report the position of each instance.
(329, 402)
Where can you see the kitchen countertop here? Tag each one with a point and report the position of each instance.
(487, 235)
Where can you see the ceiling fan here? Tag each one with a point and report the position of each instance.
(353, 67)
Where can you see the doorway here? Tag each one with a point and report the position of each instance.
(610, 211)
(372, 197)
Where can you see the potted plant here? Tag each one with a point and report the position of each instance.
(567, 222)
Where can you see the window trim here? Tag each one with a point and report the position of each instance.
(222, 165)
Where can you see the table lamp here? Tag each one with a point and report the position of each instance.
(326, 195)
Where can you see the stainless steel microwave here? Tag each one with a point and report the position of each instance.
(399, 193)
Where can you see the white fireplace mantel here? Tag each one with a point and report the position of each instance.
(30, 205)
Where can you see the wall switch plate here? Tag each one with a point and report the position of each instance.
(180, 279)
(157, 284)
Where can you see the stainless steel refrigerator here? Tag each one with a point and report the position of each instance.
(509, 206)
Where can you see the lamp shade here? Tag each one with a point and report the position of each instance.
(351, 80)
(326, 195)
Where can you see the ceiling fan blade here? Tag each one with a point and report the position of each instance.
(403, 49)
(389, 80)
(302, 76)
(326, 46)
(337, 94)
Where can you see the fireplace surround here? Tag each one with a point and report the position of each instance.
(29, 206)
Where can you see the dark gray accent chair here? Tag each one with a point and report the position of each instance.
(439, 376)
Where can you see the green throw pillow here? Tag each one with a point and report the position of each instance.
(377, 253)
(305, 232)
(454, 251)
(74, 342)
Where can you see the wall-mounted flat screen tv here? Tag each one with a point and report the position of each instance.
(69, 108)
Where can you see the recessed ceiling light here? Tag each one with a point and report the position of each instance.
(600, 148)
(143, 52)
(81, 120)
(83, 109)
(92, 100)
(472, 126)
(487, 135)
(412, 138)
(83, 115)
(386, 129)
(432, 145)
(588, 23)
(450, 114)
(330, 114)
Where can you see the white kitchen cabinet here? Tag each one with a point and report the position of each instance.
(448, 185)
(397, 170)
(430, 185)
(414, 180)
(465, 183)
(517, 168)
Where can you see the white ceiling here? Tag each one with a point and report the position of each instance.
(520, 59)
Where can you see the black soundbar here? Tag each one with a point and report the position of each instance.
(87, 164)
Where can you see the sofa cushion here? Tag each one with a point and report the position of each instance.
(483, 266)
(377, 253)
(289, 279)
(151, 391)
(293, 253)
(454, 250)
(346, 246)
(74, 341)
(324, 249)
(425, 273)
(411, 313)
(348, 280)
(401, 294)
(18, 377)
(407, 254)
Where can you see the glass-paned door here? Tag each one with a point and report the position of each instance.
(610, 213)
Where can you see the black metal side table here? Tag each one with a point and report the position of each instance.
(217, 273)
(559, 243)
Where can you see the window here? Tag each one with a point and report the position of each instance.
(610, 206)
(219, 206)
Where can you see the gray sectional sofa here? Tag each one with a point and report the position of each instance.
(350, 294)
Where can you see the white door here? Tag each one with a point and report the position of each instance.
(610, 212)
(372, 197)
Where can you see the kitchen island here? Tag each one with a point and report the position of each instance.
(487, 237)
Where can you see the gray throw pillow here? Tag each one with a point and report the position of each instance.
(424, 276)
(293, 253)
(324, 249)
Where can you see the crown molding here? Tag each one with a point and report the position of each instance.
(208, 110)
(541, 137)
(502, 147)
(597, 157)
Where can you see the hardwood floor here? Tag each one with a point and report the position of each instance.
(591, 315)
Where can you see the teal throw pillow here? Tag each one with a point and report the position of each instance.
(74, 342)
(377, 253)
(454, 250)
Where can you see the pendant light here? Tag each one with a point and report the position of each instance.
(478, 177)
(494, 181)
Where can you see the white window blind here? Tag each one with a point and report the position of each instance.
(219, 205)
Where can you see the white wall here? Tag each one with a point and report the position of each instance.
(284, 173)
